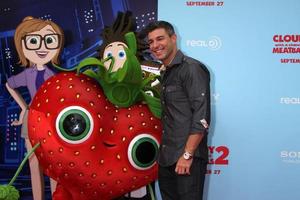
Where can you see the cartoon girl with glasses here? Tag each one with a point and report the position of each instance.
(38, 42)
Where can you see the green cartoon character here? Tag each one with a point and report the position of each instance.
(119, 71)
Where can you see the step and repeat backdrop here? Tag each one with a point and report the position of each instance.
(252, 49)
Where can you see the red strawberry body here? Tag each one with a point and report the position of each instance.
(93, 149)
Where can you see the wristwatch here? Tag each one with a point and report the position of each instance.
(187, 155)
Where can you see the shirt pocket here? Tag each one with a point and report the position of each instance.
(170, 92)
(174, 93)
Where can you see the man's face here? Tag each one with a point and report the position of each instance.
(162, 46)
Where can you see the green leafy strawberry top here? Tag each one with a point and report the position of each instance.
(126, 86)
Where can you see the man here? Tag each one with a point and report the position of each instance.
(185, 99)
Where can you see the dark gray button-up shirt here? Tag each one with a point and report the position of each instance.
(185, 100)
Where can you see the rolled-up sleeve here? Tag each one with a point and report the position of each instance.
(197, 87)
(17, 80)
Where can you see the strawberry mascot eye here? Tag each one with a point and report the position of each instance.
(74, 124)
(142, 151)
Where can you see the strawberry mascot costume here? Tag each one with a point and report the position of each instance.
(97, 130)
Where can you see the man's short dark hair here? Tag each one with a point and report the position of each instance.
(160, 24)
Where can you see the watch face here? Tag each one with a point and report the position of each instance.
(186, 156)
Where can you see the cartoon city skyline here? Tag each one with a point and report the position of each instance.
(82, 22)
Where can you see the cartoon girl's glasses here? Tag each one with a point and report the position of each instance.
(34, 41)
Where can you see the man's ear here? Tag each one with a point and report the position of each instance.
(174, 38)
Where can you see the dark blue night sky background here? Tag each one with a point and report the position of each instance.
(82, 22)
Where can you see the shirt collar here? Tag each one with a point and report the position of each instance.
(33, 68)
(177, 59)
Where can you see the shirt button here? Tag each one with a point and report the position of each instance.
(163, 87)
(165, 117)
(163, 102)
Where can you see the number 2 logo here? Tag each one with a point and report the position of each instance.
(221, 158)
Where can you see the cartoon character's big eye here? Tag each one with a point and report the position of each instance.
(49, 40)
(74, 124)
(53, 38)
(33, 41)
(121, 54)
(52, 41)
(108, 54)
(142, 151)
